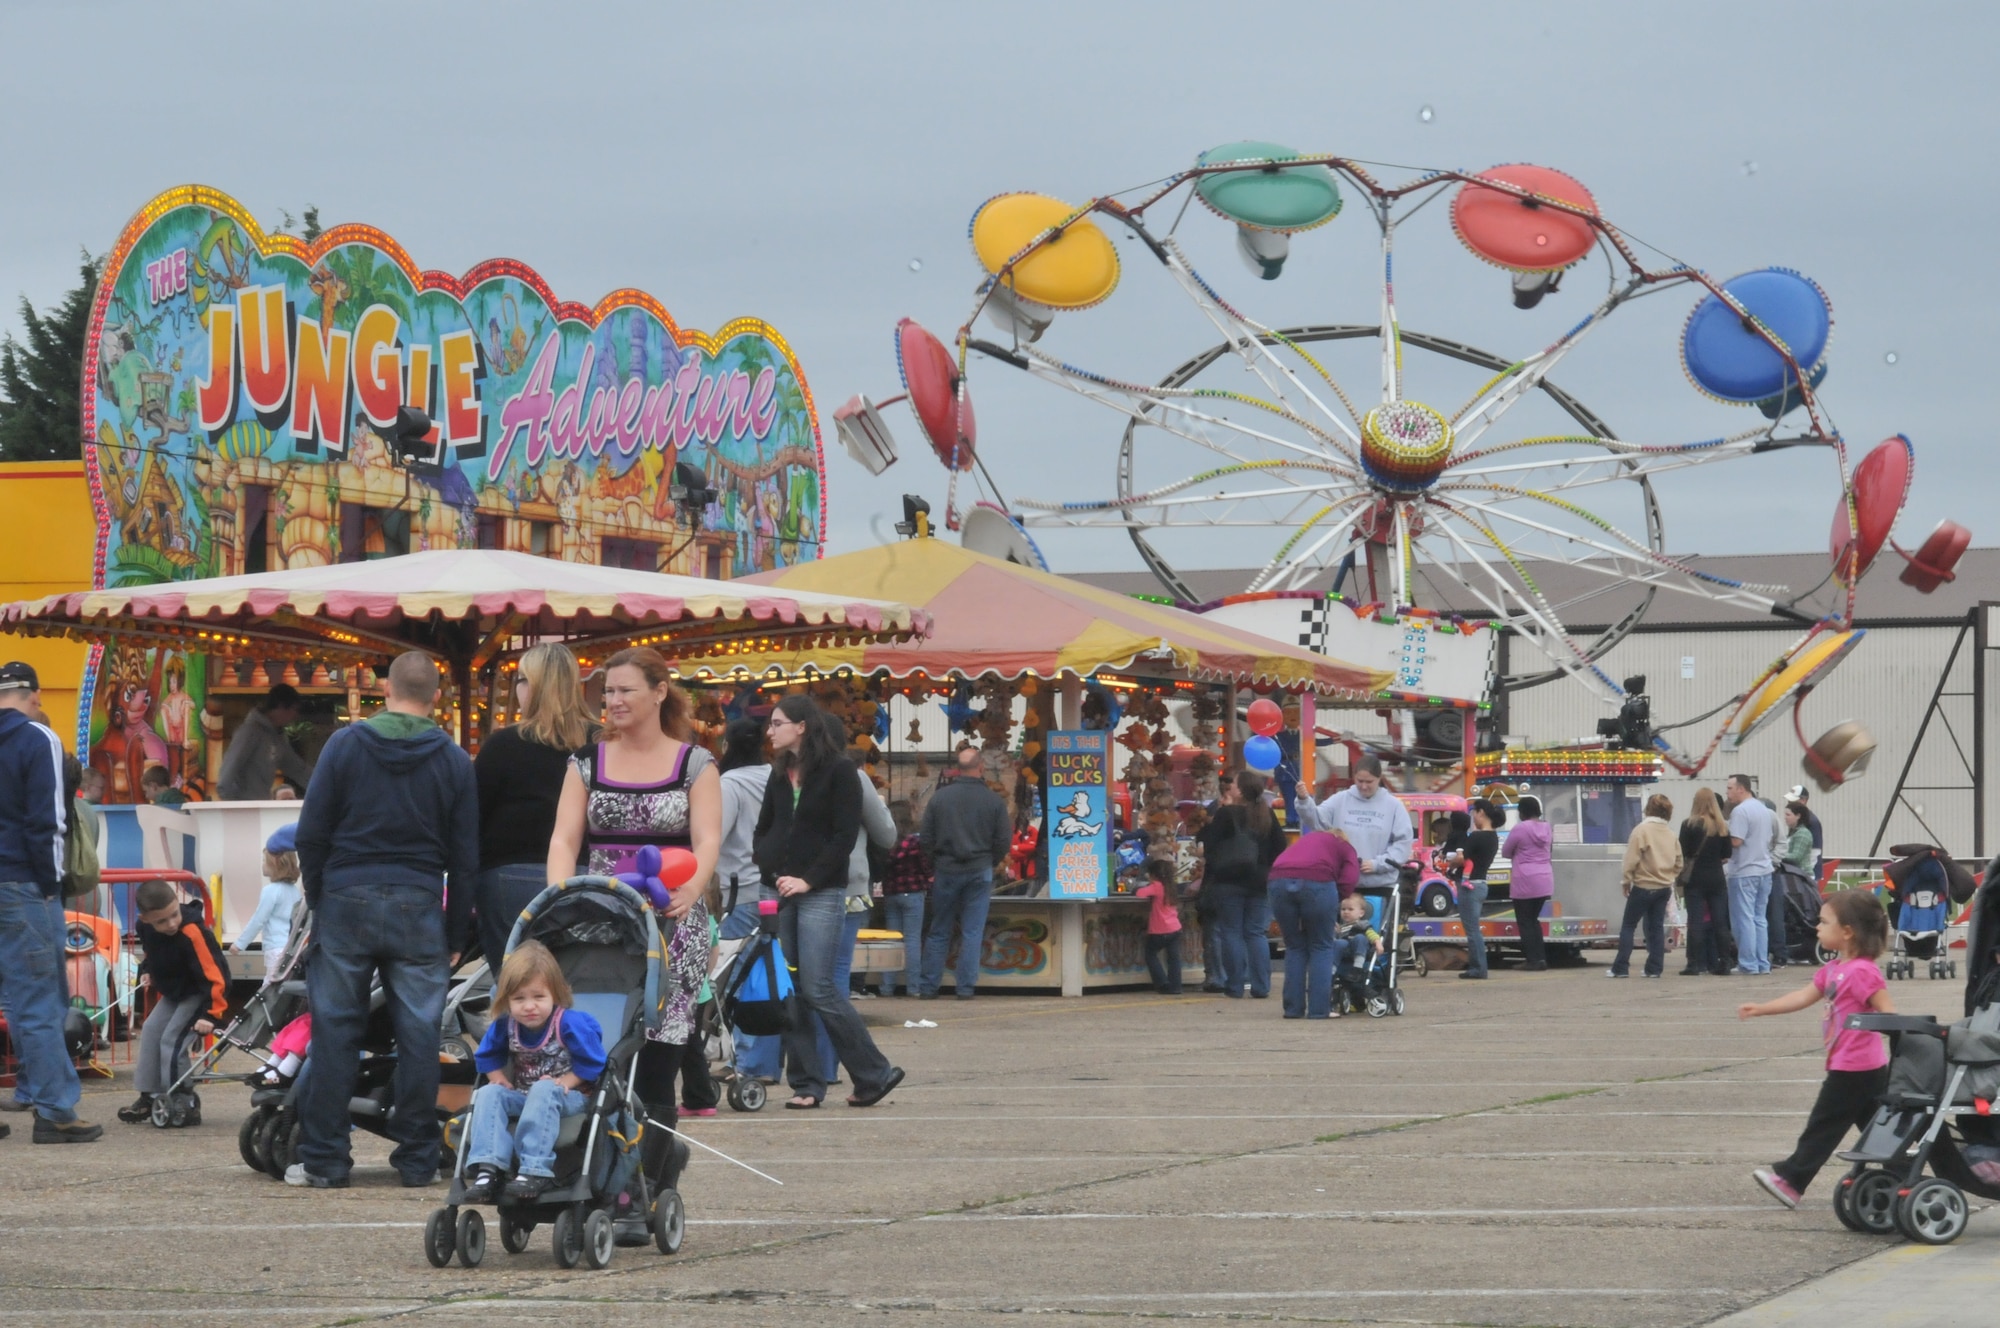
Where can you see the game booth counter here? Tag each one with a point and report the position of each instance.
(1106, 720)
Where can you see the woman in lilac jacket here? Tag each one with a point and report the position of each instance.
(1531, 879)
(1307, 881)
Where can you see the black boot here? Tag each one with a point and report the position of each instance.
(139, 1112)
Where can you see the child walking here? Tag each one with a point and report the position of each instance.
(538, 1058)
(1852, 924)
(1163, 927)
(280, 899)
(184, 966)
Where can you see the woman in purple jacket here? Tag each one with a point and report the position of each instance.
(1531, 879)
(1307, 881)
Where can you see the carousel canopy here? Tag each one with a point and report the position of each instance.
(462, 605)
(989, 616)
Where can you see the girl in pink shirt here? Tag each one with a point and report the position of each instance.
(1853, 925)
(1163, 926)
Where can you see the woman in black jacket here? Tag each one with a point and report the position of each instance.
(804, 837)
(1238, 845)
(1704, 848)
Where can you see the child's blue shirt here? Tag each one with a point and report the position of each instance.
(581, 1036)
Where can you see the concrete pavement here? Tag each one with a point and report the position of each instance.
(1537, 1149)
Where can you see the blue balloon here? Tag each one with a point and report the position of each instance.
(1262, 753)
(1728, 360)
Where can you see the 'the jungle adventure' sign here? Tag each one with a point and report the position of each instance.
(242, 388)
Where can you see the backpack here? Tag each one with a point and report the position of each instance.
(1236, 856)
(80, 872)
(758, 999)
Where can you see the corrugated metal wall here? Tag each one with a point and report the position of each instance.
(1886, 683)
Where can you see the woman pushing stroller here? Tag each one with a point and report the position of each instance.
(540, 1058)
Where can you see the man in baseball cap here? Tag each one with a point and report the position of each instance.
(33, 809)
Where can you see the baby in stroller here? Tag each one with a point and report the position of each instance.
(1356, 943)
(538, 1058)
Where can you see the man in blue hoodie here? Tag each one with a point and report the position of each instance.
(388, 844)
(33, 812)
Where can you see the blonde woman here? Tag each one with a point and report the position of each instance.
(520, 771)
(1704, 848)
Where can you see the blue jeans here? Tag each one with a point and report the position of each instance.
(811, 927)
(1471, 909)
(1650, 908)
(498, 898)
(398, 932)
(843, 972)
(1352, 956)
(31, 993)
(1307, 913)
(541, 1109)
(959, 901)
(905, 913)
(1242, 926)
(1749, 900)
(755, 1056)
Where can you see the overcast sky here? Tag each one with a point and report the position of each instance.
(794, 162)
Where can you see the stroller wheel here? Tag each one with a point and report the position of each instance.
(514, 1233)
(471, 1237)
(1419, 965)
(1843, 1200)
(273, 1146)
(746, 1093)
(1873, 1202)
(669, 1222)
(440, 1237)
(1932, 1212)
(246, 1139)
(599, 1237)
(1377, 1007)
(568, 1238)
(1396, 1001)
(163, 1113)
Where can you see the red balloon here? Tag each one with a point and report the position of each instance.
(677, 867)
(1265, 717)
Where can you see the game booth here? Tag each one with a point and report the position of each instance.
(1105, 720)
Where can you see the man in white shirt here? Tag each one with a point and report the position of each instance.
(1749, 871)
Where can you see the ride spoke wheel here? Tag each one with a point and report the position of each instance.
(669, 1222)
(599, 1238)
(514, 1233)
(471, 1238)
(440, 1237)
(1873, 1202)
(568, 1238)
(1933, 1212)
(246, 1140)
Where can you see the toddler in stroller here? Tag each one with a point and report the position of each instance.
(1366, 945)
(603, 941)
(539, 1058)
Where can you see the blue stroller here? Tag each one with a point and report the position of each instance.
(1372, 985)
(1923, 902)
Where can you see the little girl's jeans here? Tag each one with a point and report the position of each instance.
(541, 1110)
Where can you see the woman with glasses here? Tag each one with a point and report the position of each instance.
(805, 835)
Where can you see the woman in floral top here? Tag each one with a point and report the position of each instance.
(647, 783)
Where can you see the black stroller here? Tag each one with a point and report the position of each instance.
(1942, 1082)
(1802, 901)
(1373, 987)
(608, 944)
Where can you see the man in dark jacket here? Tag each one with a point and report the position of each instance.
(33, 813)
(391, 813)
(968, 833)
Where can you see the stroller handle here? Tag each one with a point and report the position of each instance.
(1896, 1023)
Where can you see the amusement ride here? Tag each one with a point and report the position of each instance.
(1389, 492)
